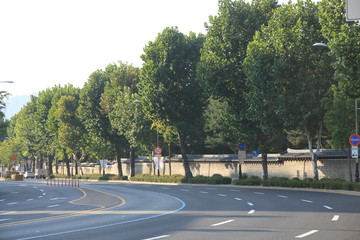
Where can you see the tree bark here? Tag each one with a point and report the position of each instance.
(132, 161)
(188, 173)
(50, 163)
(264, 165)
(313, 156)
(66, 162)
(118, 158)
(169, 159)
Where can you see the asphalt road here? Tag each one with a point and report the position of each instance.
(32, 210)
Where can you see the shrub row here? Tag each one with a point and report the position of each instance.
(176, 178)
(335, 184)
(94, 176)
(215, 179)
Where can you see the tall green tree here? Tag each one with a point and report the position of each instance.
(343, 40)
(222, 58)
(287, 76)
(122, 104)
(168, 85)
(94, 118)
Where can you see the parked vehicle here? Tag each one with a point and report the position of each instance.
(29, 175)
(40, 173)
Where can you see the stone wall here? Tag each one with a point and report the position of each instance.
(329, 168)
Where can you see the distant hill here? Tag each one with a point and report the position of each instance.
(14, 105)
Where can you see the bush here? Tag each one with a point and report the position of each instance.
(215, 179)
(249, 181)
(176, 178)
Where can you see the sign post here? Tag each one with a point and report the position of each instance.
(354, 140)
(241, 157)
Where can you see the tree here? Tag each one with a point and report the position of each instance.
(122, 104)
(94, 118)
(70, 128)
(287, 77)
(168, 85)
(344, 44)
(222, 58)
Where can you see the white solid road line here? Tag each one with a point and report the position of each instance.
(221, 223)
(159, 237)
(6, 213)
(335, 218)
(307, 234)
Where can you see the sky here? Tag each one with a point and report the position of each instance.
(48, 42)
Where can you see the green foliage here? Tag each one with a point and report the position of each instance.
(333, 184)
(176, 178)
(250, 181)
(215, 179)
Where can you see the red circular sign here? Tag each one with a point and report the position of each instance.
(157, 150)
(354, 139)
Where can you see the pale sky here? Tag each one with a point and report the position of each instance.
(48, 42)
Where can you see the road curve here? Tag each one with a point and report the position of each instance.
(155, 211)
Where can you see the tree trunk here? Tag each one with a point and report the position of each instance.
(188, 173)
(50, 163)
(169, 159)
(264, 164)
(118, 158)
(66, 162)
(132, 161)
(313, 156)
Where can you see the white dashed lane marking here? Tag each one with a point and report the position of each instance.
(330, 208)
(282, 196)
(221, 223)
(221, 195)
(251, 211)
(259, 193)
(308, 201)
(204, 192)
(55, 205)
(307, 234)
(12, 203)
(250, 204)
(239, 199)
(159, 237)
(30, 199)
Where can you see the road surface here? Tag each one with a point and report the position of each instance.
(32, 210)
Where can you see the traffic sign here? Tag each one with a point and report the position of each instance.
(354, 152)
(242, 147)
(354, 140)
(157, 150)
(255, 153)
